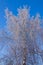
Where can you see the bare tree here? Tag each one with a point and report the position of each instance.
(24, 32)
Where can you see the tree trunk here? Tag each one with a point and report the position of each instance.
(24, 61)
(24, 56)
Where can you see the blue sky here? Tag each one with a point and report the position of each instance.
(12, 5)
(36, 6)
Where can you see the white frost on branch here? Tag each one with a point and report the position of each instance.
(22, 41)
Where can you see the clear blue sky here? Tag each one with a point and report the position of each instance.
(12, 5)
(36, 6)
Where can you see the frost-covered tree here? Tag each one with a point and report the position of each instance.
(23, 37)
